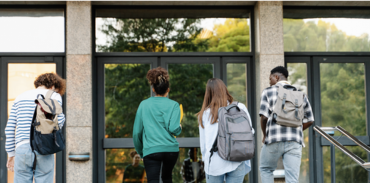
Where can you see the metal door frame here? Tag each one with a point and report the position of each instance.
(313, 60)
(59, 60)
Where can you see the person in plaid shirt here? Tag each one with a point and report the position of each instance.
(280, 140)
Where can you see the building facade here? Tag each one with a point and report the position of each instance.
(104, 50)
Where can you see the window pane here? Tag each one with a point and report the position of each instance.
(298, 78)
(125, 87)
(327, 35)
(32, 30)
(123, 165)
(188, 85)
(343, 96)
(20, 79)
(237, 81)
(172, 34)
(119, 160)
(346, 170)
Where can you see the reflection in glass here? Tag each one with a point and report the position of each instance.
(326, 35)
(237, 81)
(124, 165)
(343, 96)
(32, 30)
(118, 159)
(20, 79)
(172, 35)
(188, 85)
(346, 170)
(125, 87)
(298, 78)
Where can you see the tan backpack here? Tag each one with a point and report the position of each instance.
(45, 135)
(288, 110)
(47, 114)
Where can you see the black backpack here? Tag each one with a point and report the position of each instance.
(46, 137)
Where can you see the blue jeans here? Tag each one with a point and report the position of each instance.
(291, 152)
(236, 176)
(23, 166)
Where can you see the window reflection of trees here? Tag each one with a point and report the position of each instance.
(323, 36)
(343, 104)
(125, 87)
(174, 35)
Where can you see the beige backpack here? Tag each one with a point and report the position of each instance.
(288, 110)
(47, 114)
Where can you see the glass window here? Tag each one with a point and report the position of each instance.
(346, 170)
(124, 165)
(32, 30)
(298, 78)
(188, 85)
(237, 81)
(326, 30)
(125, 87)
(20, 79)
(343, 96)
(119, 162)
(171, 30)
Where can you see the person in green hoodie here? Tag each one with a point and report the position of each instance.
(157, 122)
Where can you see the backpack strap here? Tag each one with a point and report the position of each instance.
(234, 104)
(49, 94)
(33, 124)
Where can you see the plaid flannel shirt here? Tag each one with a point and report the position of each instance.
(275, 132)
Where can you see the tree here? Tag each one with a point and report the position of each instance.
(150, 35)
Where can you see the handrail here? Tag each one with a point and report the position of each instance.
(353, 156)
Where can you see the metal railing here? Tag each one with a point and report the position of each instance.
(354, 157)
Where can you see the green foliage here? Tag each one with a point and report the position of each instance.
(125, 87)
(151, 35)
(188, 85)
(237, 81)
(174, 35)
(342, 104)
(323, 36)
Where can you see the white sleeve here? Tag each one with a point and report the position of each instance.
(202, 142)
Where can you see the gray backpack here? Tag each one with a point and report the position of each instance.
(288, 110)
(235, 139)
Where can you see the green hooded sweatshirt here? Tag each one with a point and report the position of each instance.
(157, 121)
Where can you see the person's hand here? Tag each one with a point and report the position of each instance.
(180, 126)
(10, 164)
(263, 139)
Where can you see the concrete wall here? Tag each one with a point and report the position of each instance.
(269, 50)
(79, 90)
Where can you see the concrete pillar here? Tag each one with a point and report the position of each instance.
(269, 49)
(79, 90)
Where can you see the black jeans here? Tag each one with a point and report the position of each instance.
(153, 163)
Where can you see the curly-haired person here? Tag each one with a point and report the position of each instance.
(160, 117)
(17, 131)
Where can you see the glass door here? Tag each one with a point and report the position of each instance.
(122, 85)
(17, 76)
(341, 100)
(336, 87)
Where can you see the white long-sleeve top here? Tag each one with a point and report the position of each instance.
(17, 129)
(207, 137)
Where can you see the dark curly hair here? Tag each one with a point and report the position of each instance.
(159, 79)
(280, 69)
(133, 153)
(49, 80)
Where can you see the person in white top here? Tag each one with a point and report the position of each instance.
(217, 96)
